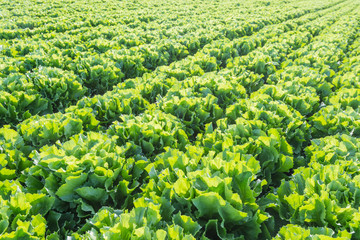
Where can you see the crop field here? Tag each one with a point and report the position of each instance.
(164, 119)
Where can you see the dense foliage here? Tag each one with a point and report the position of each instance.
(179, 119)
